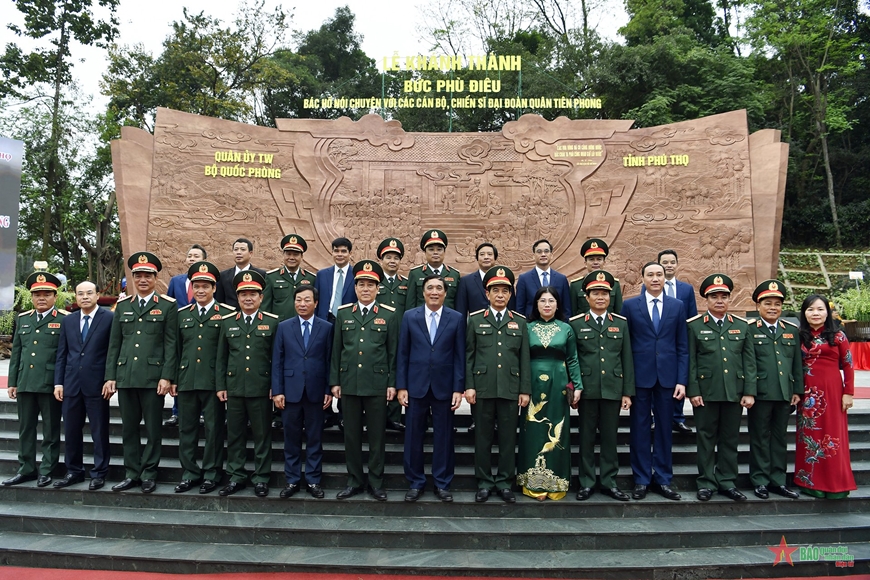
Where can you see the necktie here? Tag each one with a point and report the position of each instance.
(86, 327)
(248, 320)
(305, 334)
(600, 321)
(293, 277)
(433, 327)
(772, 330)
(719, 322)
(670, 289)
(390, 280)
(38, 317)
(498, 317)
(546, 279)
(142, 303)
(365, 312)
(189, 292)
(339, 290)
(437, 272)
(656, 317)
(202, 311)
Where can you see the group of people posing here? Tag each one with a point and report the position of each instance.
(251, 350)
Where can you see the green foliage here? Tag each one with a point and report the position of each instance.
(652, 19)
(854, 303)
(23, 302)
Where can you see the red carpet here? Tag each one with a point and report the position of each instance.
(42, 573)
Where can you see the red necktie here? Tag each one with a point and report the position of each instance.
(189, 292)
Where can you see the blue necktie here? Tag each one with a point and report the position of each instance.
(305, 334)
(656, 317)
(670, 292)
(86, 327)
(546, 277)
(433, 328)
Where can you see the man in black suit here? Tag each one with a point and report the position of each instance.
(471, 295)
(79, 385)
(243, 248)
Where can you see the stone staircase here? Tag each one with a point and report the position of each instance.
(600, 538)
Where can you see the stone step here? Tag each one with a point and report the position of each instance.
(91, 552)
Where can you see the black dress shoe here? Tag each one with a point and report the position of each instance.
(666, 492)
(69, 479)
(761, 492)
(639, 492)
(171, 422)
(705, 494)
(289, 490)
(482, 495)
(733, 493)
(277, 424)
(148, 485)
(126, 484)
(413, 494)
(315, 490)
(231, 488)
(18, 478)
(184, 485)
(348, 492)
(261, 489)
(395, 426)
(615, 493)
(784, 491)
(43, 481)
(682, 428)
(96, 483)
(583, 493)
(379, 494)
(208, 486)
(443, 494)
(507, 495)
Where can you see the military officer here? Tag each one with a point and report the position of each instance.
(281, 283)
(199, 326)
(499, 379)
(141, 366)
(604, 351)
(780, 385)
(31, 380)
(393, 292)
(595, 252)
(434, 244)
(363, 375)
(243, 367)
(722, 380)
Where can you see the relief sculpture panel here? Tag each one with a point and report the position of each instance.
(687, 186)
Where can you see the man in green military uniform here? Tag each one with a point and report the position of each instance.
(31, 380)
(434, 244)
(141, 366)
(393, 292)
(604, 353)
(722, 379)
(595, 252)
(780, 384)
(281, 283)
(199, 326)
(498, 376)
(363, 375)
(243, 367)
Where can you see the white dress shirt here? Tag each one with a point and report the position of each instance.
(429, 317)
(650, 305)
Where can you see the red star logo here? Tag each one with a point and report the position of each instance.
(783, 552)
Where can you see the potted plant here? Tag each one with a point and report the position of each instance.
(854, 307)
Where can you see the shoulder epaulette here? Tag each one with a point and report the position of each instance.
(697, 316)
(273, 270)
(402, 277)
(127, 297)
(790, 323)
(576, 316)
(615, 279)
(740, 318)
(417, 266)
(580, 279)
(62, 312)
(621, 317)
(270, 314)
(170, 298)
(751, 321)
(388, 307)
(476, 312)
(189, 306)
(518, 314)
(343, 306)
(26, 313)
(228, 307)
(225, 316)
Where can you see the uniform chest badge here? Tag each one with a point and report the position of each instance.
(706, 332)
(485, 326)
(380, 321)
(156, 312)
(733, 331)
(215, 317)
(403, 287)
(262, 327)
(788, 335)
(513, 326)
(348, 321)
(54, 324)
(448, 279)
(305, 281)
(612, 329)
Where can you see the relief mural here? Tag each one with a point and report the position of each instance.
(706, 188)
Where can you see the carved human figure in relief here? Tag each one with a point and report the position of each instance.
(448, 198)
(475, 199)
